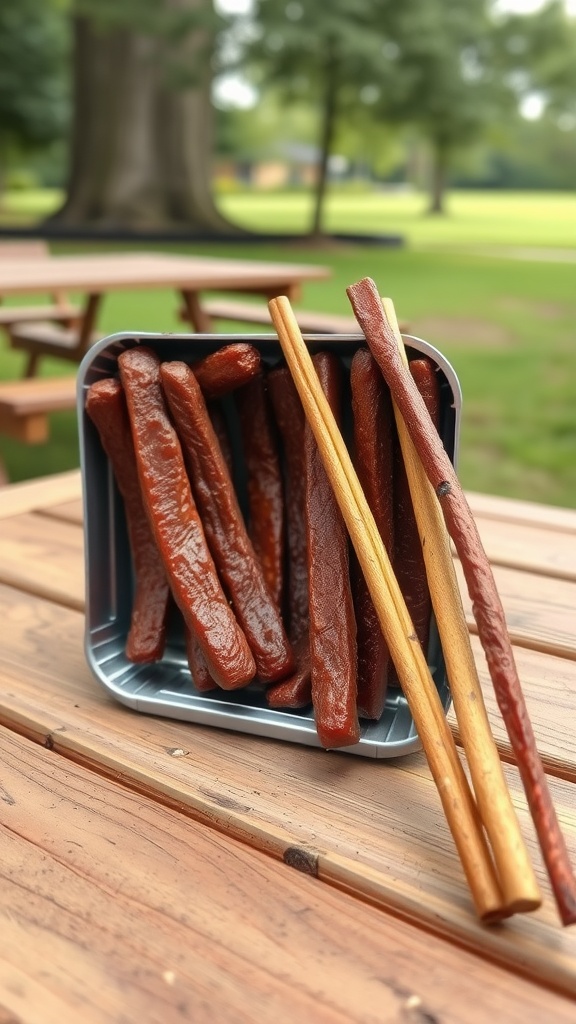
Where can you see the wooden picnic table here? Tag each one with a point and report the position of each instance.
(148, 865)
(96, 274)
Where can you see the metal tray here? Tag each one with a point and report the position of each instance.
(166, 687)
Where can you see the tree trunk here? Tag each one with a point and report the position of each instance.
(327, 129)
(141, 147)
(438, 178)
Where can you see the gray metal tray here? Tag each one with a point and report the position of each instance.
(166, 687)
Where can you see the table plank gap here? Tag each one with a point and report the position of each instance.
(69, 511)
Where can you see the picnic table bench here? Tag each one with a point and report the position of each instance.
(149, 865)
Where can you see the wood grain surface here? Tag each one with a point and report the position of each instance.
(373, 827)
(534, 549)
(177, 798)
(115, 908)
(44, 556)
(42, 492)
(513, 510)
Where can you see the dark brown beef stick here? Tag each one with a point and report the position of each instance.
(486, 603)
(296, 690)
(176, 524)
(106, 407)
(224, 526)
(264, 482)
(226, 369)
(289, 416)
(201, 677)
(373, 449)
(221, 431)
(408, 561)
(332, 620)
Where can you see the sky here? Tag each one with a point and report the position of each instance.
(518, 6)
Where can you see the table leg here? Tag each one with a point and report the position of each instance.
(32, 365)
(197, 317)
(88, 324)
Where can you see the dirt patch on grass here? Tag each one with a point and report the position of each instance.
(461, 331)
(544, 310)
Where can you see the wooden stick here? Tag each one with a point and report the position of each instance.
(421, 694)
(486, 603)
(517, 878)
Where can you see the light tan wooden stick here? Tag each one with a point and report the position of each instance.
(458, 802)
(516, 874)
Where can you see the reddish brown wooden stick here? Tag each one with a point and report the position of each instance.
(486, 603)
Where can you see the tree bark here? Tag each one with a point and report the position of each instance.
(141, 146)
(327, 128)
(438, 178)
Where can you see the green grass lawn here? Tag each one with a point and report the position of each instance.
(473, 218)
(508, 326)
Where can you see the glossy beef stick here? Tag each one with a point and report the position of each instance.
(374, 461)
(224, 526)
(332, 621)
(264, 482)
(295, 692)
(289, 417)
(221, 430)
(408, 558)
(106, 407)
(201, 677)
(227, 369)
(176, 524)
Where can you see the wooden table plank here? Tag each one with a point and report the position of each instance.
(117, 908)
(41, 492)
(70, 511)
(539, 610)
(549, 686)
(374, 827)
(532, 548)
(97, 273)
(513, 510)
(44, 556)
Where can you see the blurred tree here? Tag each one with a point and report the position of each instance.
(329, 54)
(539, 54)
(142, 127)
(425, 63)
(448, 86)
(33, 85)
